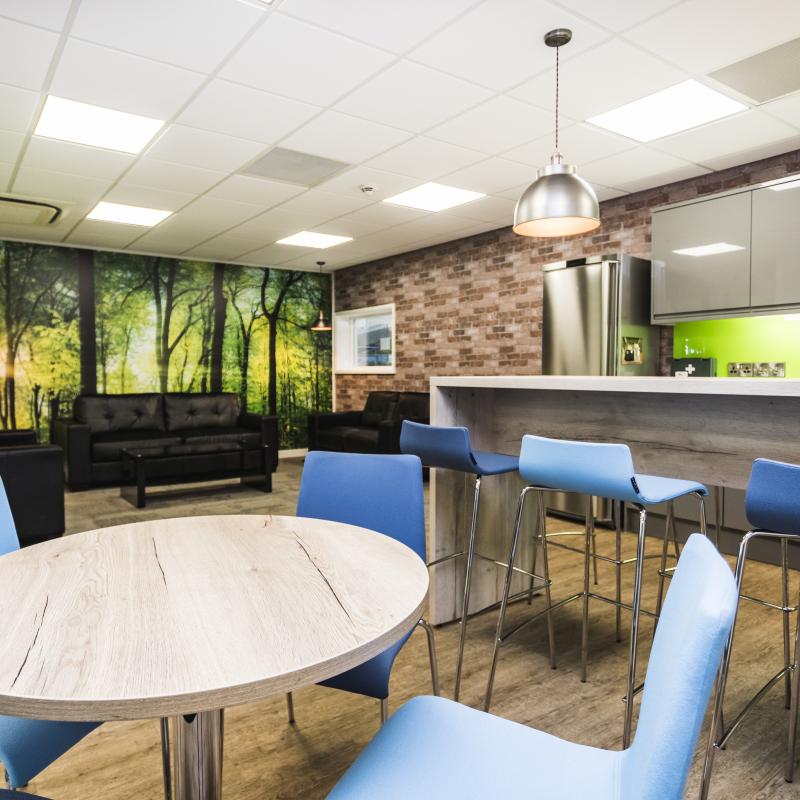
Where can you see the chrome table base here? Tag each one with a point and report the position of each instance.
(198, 756)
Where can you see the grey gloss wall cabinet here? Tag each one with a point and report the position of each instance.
(692, 283)
(775, 276)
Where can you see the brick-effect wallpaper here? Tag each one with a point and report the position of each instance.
(474, 306)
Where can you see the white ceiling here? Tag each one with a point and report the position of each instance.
(457, 91)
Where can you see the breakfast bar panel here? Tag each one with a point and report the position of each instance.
(706, 429)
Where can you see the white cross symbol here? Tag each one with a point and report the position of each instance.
(691, 368)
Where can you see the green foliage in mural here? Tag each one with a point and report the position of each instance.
(160, 325)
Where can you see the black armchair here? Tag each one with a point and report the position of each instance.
(32, 476)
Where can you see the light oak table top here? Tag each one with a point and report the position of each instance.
(179, 616)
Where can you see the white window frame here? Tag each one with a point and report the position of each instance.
(342, 339)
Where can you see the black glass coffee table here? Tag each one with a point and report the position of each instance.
(144, 467)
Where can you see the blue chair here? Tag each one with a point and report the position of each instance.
(436, 748)
(772, 505)
(595, 470)
(450, 448)
(27, 746)
(382, 493)
(6, 794)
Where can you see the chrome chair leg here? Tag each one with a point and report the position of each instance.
(551, 631)
(384, 710)
(717, 515)
(290, 707)
(428, 628)
(467, 582)
(787, 637)
(165, 756)
(715, 731)
(662, 565)
(794, 710)
(703, 521)
(637, 601)
(594, 550)
(620, 509)
(585, 625)
(532, 580)
(501, 618)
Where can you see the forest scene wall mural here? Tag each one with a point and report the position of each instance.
(81, 320)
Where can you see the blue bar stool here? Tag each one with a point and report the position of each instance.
(595, 470)
(772, 504)
(450, 448)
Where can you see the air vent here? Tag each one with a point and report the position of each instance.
(766, 75)
(291, 166)
(15, 211)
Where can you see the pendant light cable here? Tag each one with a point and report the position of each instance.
(557, 154)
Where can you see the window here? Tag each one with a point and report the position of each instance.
(364, 339)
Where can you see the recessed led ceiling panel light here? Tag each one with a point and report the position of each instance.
(708, 249)
(433, 197)
(683, 106)
(127, 215)
(96, 126)
(311, 239)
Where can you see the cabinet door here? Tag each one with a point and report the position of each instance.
(701, 256)
(775, 277)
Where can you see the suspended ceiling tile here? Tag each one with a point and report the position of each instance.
(578, 144)
(59, 186)
(729, 137)
(393, 26)
(615, 14)
(425, 158)
(324, 205)
(104, 234)
(499, 43)
(10, 145)
(148, 197)
(181, 32)
(344, 138)
(44, 13)
(25, 55)
(490, 176)
(94, 162)
(498, 210)
(6, 171)
(604, 78)
(176, 177)
(495, 126)
(219, 213)
(259, 191)
(274, 255)
(104, 77)
(181, 144)
(704, 35)
(412, 97)
(384, 184)
(244, 112)
(786, 109)
(301, 61)
(18, 106)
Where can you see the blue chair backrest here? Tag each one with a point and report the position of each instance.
(8, 530)
(772, 502)
(437, 446)
(599, 469)
(694, 625)
(380, 492)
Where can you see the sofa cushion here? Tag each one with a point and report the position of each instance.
(380, 406)
(413, 405)
(184, 411)
(334, 438)
(105, 413)
(107, 446)
(362, 440)
(230, 437)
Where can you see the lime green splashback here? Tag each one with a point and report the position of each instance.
(773, 338)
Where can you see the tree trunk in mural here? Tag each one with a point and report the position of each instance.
(286, 280)
(87, 324)
(220, 308)
(246, 330)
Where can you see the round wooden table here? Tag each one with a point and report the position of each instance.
(183, 617)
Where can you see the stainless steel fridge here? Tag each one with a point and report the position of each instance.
(596, 321)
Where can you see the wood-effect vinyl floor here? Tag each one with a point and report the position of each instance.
(266, 758)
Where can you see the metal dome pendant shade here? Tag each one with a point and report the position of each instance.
(558, 202)
(323, 324)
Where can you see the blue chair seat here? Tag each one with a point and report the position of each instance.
(653, 489)
(8, 794)
(494, 463)
(434, 747)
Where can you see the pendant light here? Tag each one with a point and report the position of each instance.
(322, 325)
(558, 202)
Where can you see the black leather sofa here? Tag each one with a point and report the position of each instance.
(32, 477)
(198, 432)
(376, 429)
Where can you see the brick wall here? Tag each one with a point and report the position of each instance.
(474, 306)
